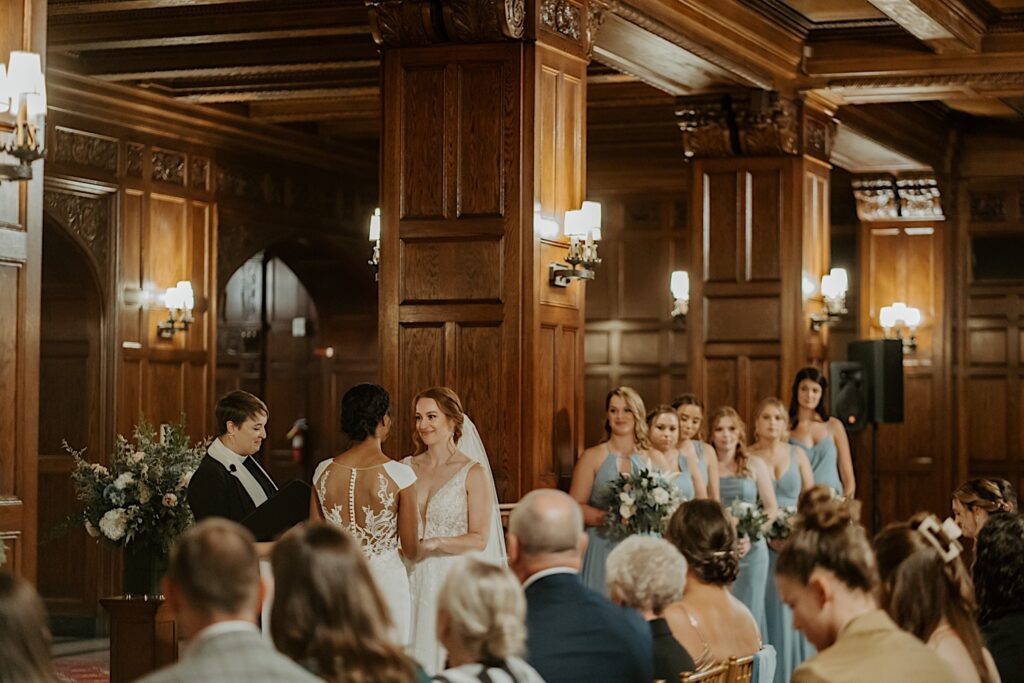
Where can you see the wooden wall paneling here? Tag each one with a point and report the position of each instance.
(21, 211)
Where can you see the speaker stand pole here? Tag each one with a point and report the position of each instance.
(876, 510)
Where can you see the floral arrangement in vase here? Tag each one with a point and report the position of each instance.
(138, 501)
(641, 503)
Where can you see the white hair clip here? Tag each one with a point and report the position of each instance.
(942, 536)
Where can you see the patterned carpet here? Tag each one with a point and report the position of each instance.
(82, 661)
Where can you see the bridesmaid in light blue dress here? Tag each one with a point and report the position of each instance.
(791, 472)
(746, 479)
(663, 432)
(691, 419)
(822, 438)
(625, 450)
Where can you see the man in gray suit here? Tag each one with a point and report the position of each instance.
(213, 586)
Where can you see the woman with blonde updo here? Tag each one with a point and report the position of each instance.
(976, 499)
(827, 575)
(624, 451)
(480, 621)
(927, 591)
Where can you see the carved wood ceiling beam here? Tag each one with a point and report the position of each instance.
(224, 97)
(862, 60)
(355, 107)
(58, 8)
(921, 132)
(266, 71)
(943, 25)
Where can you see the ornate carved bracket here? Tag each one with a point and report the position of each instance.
(87, 217)
(887, 198)
(408, 23)
(755, 123)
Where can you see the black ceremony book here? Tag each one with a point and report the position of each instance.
(280, 512)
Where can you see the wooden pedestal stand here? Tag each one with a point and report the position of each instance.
(143, 637)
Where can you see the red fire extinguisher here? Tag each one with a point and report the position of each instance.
(298, 436)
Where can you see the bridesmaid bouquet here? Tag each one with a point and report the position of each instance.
(781, 527)
(750, 520)
(641, 503)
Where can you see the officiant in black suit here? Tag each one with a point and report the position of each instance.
(229, 482)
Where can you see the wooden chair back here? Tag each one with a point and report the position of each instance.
(741, 669)
(719, 673)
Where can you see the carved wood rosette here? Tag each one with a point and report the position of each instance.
(887, 198)
(411, 23)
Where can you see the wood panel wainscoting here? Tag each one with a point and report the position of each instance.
(477, 140)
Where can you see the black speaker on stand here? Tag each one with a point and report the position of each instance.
(849, 394)
(882, 363)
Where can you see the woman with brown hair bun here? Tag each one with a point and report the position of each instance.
(976, 499)
(709, 622)
(827, 575)
(927, 591)
(328, 614)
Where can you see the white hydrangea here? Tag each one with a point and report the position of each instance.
(114, 524)
(660, 496)
(124, 480)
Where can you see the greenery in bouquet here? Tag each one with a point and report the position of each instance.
(750, 520)
(641, 503)
(140, 497)
(779, 528)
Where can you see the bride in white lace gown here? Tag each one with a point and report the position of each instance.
(369, 495)
(457, 510)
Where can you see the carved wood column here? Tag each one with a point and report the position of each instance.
(759, 197)
(484, 108)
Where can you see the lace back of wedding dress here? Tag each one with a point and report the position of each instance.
(364, 502)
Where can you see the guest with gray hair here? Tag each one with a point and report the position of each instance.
(481, 610)
(649, 574)
(573, 633)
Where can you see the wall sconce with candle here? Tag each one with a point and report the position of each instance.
(583, 228)
(834, 287)
(900, 321)
(180, 301)
(23, 98)
(679, 285)
(375, 238)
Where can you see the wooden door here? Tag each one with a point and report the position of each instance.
(70, 409)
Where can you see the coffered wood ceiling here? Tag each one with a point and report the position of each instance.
(313, 64)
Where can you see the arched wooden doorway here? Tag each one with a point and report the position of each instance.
(298, 326)
(71, 409)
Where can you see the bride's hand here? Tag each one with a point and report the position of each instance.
(430, 545)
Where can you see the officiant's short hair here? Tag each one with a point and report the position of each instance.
(238, 406)
(215, 566)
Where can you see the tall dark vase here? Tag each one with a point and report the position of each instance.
(144, 567)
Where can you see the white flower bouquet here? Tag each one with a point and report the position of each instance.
(750, 520)
(641, 503)
(779, 528)
(140, 498)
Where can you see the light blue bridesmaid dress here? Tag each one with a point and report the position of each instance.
(824, 457)
(790, 645)
(600, 543)
(698, 448)
(750, 584)
(684, 480)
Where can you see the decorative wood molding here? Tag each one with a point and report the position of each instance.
(133, 159)
(563, 17)
(199, 173)
(988, 207)
(767, 125)
(994, 79)
(409, 23)
(86, 217)
(168, 167)
(705, 127)
(888, 198)
(236, 243)
(83, 149)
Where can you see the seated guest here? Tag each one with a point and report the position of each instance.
(709, 621)
(976, 499)
(999, 588)
(927, 591)
(648, 574)
(229, 482)
(827, 575)
(213, 586)
(573, 633)
(24, 638)
(328, 614)
(480, 615)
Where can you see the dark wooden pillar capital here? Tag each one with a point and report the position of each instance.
(410, 23)
(754, 123)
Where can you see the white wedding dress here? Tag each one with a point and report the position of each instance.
(447, 514)
(364, 502)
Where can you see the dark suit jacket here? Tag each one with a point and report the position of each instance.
(1005, 640)
(215, 492)
(575, 634)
